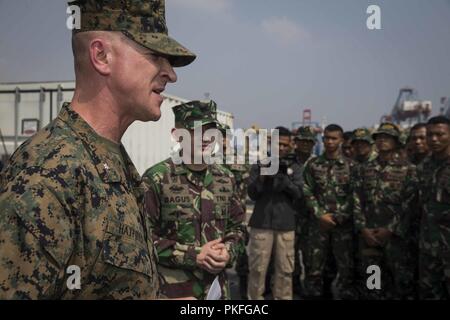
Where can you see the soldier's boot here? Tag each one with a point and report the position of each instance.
(243, 285)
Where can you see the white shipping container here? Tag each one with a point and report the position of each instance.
(147, 143)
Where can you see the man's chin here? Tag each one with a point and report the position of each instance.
(152, 114)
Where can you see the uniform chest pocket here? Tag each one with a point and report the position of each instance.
(125, 247)
(176, 203)
(222, 194)
(342, 184)
(321, 181)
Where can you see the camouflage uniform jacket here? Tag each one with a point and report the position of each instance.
(303, 216)
(328, 187)
(65, 201)
(241, 174)
(186, 212)
(386, 194)
(434, 182)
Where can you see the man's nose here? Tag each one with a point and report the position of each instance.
(168, 71)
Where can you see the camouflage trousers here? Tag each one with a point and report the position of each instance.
(338, 242)
(242, 259)
(434, 267)
(301, 237)
(396, 266)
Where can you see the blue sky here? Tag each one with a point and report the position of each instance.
(266, 60)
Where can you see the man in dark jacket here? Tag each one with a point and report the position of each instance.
(273, 223)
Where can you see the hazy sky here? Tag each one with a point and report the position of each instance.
(266, 60)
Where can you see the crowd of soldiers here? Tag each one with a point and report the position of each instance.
(77, 221)
(379, 198)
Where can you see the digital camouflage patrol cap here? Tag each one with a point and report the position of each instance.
(305, 133)
(196, 113)
(140, 20)
(389, 129)
(362, 134)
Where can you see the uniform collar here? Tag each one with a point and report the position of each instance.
(340, 159)
(104, 164)
(182, 169)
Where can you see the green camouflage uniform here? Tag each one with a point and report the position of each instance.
(387, 193)
(187, 209)
(361, 134)
(73, 198)
(241, 174)
(66, 199)
(434, 239)
(301, 233)
(327, 189)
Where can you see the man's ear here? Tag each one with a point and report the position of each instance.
(99, 51)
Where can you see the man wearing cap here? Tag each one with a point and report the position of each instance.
(385, 193)
(241, 172)
(434, 239)
(195, 214)
(362, 144)
(305, 140)
(72, 223)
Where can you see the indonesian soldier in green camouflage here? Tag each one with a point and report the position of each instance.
(195, 214)
(305, 141)
(72, 222)
(434, 239)
(386, 192)
(241, 172)
(327, 190)
(362, 143)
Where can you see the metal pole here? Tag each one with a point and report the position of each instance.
(41, 108)
(59, 98)
(51, 106)
(4, 145)
(16, 117)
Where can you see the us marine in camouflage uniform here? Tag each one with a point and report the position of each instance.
(305, 141)
(195, 215)
(327, 190)
(434, 239)
(71, 199)
(241, 172)
(386, 192)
